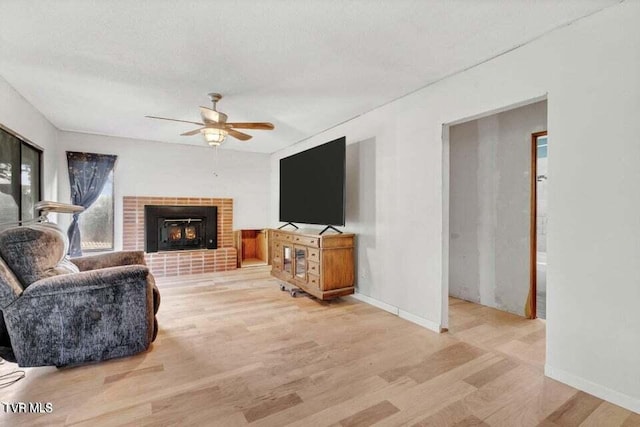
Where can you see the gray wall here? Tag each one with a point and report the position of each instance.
(490, 165)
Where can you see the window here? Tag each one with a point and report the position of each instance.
(91, 185)
(20, 172)
(542, 146)
(96, 225)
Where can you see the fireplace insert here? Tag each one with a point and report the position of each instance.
(174, 228)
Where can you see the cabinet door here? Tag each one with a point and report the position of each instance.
(276, 264)
(300, 254)
(276, 260)
(287, 260)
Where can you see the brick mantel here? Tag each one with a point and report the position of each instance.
(175, 263)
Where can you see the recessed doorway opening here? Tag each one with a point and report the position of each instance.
(490, 210)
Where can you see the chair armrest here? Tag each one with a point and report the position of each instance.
(82, 317)
(113, 259)
(86, 281)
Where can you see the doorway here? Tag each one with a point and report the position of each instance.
(489, 190)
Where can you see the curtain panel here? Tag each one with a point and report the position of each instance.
(88, 173)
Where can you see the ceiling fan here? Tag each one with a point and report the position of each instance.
(214, 124)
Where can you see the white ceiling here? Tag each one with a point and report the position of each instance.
(305, 65)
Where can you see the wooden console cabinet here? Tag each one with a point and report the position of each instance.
(321, 265)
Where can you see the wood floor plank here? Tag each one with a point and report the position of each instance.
(370, 416)
(491, 373)
(328, 398)
(267, 408)
(533, 337)
(445, 417)
(607, 414)
(119, 418)
(530, 408)
(177, 403)
(436, 364)
(443, 361)
(134, 373)
(96, 405)
(425, 399)
(532, 354)
(471, 421)
(633, 420)
(503, 391)
(416, 404)
(350, 405)
(575, 410)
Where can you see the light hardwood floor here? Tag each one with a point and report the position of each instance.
(233, 350)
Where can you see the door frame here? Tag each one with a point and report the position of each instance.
(446, 169)
(533, 273)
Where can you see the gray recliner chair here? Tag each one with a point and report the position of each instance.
(58, 312)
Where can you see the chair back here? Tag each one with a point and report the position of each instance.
(34, 252)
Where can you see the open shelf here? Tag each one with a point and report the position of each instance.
(252, 247)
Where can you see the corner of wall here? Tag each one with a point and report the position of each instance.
(19, 115)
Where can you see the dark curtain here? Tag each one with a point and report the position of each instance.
(88, 172)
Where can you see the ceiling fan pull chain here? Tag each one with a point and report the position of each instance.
(215, 161)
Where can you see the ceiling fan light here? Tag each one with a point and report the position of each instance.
(214, 137)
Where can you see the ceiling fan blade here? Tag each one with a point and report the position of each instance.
(213, 125)
(209, 115)
(239, 135)
(175, 120)
(192, 132)
(257, 126)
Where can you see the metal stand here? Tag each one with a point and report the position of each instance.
(294, 292)
(289, 223)
(330, 227)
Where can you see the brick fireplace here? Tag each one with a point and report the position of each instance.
(176, 263)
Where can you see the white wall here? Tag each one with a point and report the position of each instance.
(490, 207)
(17, 114)
(146, 168)
(589, 70)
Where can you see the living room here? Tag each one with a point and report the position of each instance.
(392, 79)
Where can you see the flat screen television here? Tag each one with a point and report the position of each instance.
(312, 185)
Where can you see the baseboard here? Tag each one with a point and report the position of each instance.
(425, 323)
(597, 390)
(376, 303)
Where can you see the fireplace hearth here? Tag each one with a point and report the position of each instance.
(175, 228)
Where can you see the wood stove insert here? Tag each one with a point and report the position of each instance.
(175, 228)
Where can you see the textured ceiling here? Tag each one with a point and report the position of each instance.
(305, 65)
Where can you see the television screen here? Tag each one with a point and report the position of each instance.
(312, 185)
